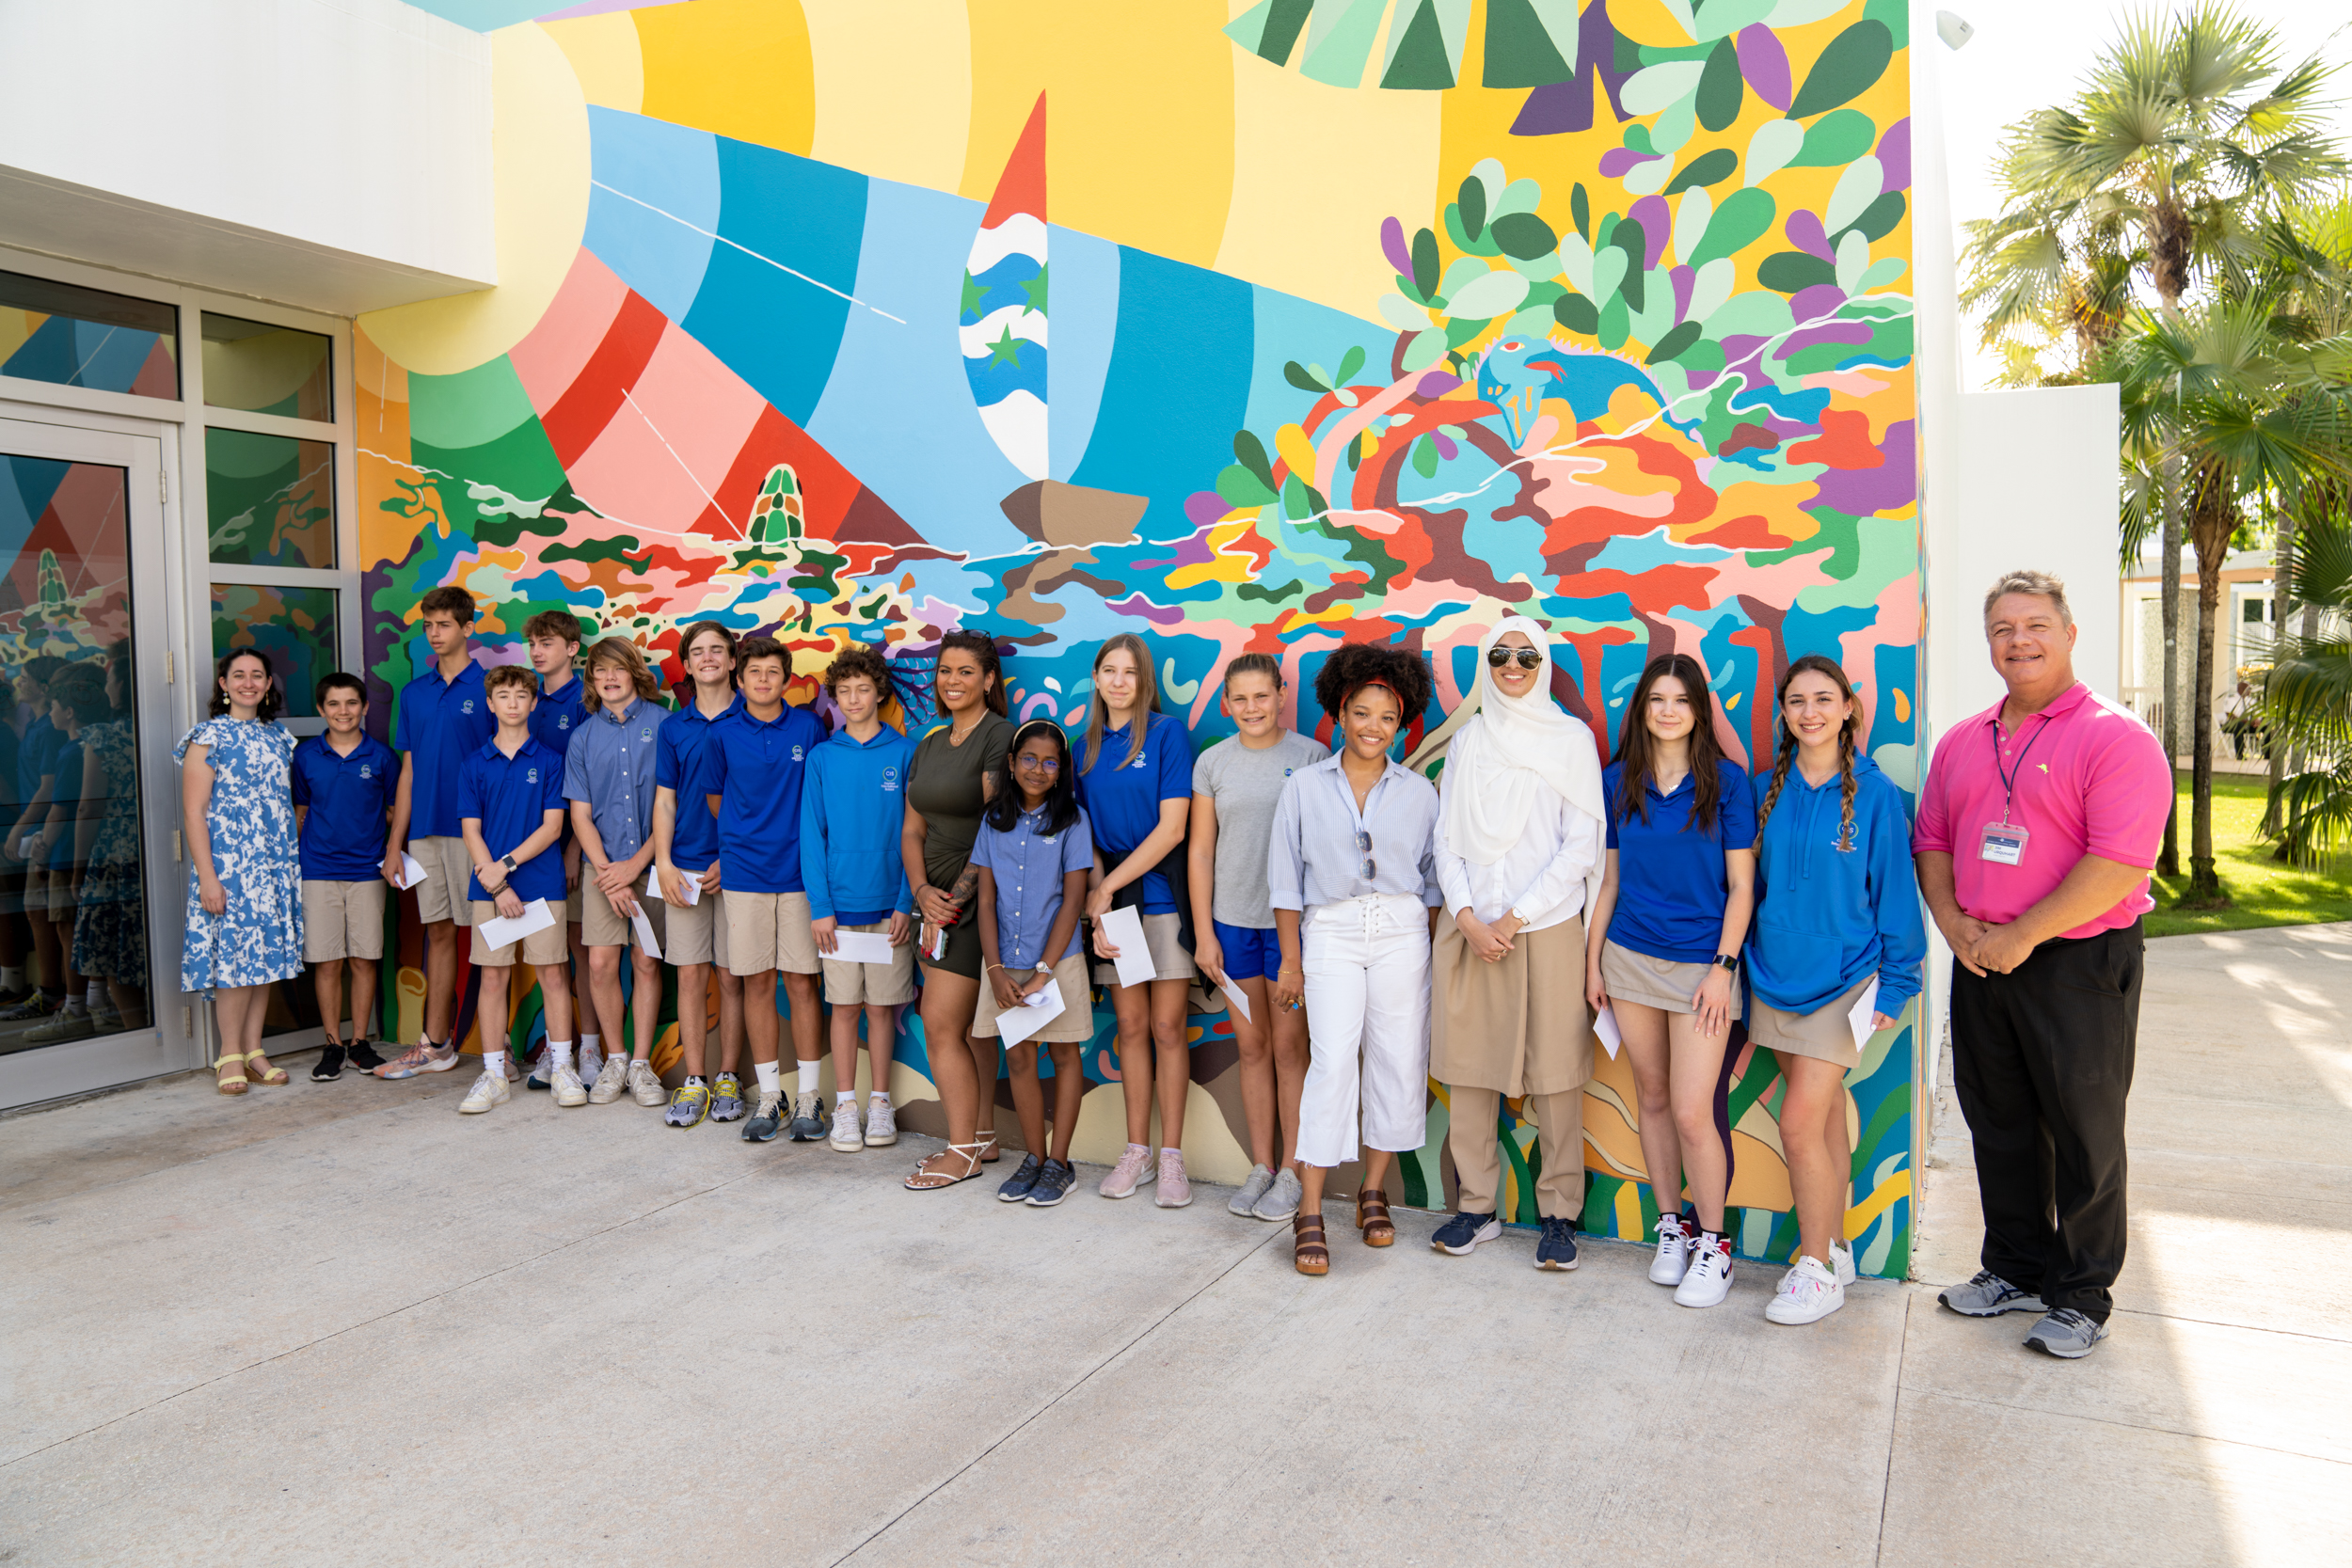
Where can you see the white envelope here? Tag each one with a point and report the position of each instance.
(1233, 994)
(1124, 927)
(1018, 1024)
(1605, 1026)
(412, 871)
(693, 881)
(645, 938)
(860, 947)
(536, 916)
(1860, 1018)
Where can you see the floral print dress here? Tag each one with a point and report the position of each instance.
(110, 922)
(259, 938)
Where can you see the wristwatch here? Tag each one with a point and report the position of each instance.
(508, 862)
(1728, 961)
(1518, 915)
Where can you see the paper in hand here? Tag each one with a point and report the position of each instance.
(1235, 995)
(1605, 1026)
(694, 886)
(499, 932)
(1016, 1024)
(1124, 927)
(860, 947)
(1860, 1018)
(645, 938)
(412, 871)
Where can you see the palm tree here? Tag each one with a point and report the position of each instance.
(2307, 701)
(2183, 136)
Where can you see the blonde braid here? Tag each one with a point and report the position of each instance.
(1846, 785)
(1780, 779)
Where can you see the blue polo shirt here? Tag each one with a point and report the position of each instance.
(36, 754)
(1122, 798)
(853, 807)
(681, 755)
(757, 769)
(611, 766)
(349, 798)
(559, 716)
(1028, 867)
(440, 725)
(512, 797)
(1671, 887)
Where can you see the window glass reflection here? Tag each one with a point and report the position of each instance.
(71, 335)
(267, 370)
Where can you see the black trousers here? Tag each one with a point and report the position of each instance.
(2042, 1060)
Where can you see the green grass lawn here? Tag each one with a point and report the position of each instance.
(2262, 892)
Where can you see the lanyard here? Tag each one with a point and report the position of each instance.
(2009, 779)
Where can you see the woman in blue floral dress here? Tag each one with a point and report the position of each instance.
(245, 884)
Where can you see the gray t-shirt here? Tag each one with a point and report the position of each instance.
(1244, 785)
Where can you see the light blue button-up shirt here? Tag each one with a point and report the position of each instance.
(1315, 858)
(1028, 868)
(609, 765)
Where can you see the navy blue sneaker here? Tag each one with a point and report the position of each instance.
(1461, 1234)
(767, 1120)
(1022, 1182)
(1557, 1249)
(1053, 1183)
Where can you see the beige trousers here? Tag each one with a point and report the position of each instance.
(1478, 1155)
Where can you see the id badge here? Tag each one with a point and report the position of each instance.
(2004, 844)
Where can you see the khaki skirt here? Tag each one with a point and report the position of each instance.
(1073, 1025)
(1162, 935)
(1516, 1026)
(1660, 983)
(1825, 1034)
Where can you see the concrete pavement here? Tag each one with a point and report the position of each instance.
(339, 1320)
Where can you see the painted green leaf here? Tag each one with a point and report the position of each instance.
(1629, 237)
(1294, 503)
(1460, 332)
(1708, 168)
(1428, 347)
(1407, 289)
(1580, 209)
(1350, 362)
(1317, 501)
(1791, 270)
(1530, 43)
(1496, 293)
(1295, 374)
(1896, 15)
(1241, 487)
(1835, 141)
(1576, 313)
(1483, 244)
(1673, 343)
(1520, 196)
(1465, 271)
(1425, 458)
(1252, 454)
(1473, 206)
(1614, 320)
(1425, 264)
(1878, 219)
(1854, 61)
(1743, 216)
(1721, 91)
(1524, 235)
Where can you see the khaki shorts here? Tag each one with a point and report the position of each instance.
(61, 900)
(1170, 962)
(768, 930)
(1825, 1033)
(343, 920)
(889, 985)
(602, 927)
(1660, 983)
(548, 946)
(576, 901)
(696, 934)
(442, 894)
(1074, 1024)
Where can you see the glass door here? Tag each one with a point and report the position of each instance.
(89, 934)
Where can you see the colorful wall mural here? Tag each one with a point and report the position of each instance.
(1246, 327)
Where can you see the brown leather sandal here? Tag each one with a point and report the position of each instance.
(1308, 1249)
(1372, 1218)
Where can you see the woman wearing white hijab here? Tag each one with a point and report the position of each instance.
(1518, 855)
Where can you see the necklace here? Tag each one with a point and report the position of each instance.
(957, 737)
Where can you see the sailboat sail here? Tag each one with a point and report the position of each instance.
(1001, 321)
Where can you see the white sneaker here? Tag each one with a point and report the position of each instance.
(1673, 1251)
(489, 1090)
(612, 1081)
(1841, 1260)
(881, 1124)
(1710, 1280)
(1808, 1294)
(591, 1067)
(847, 1137)
(564, 1079)
(645, 1084)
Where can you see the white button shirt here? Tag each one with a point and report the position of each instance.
(1543, 874)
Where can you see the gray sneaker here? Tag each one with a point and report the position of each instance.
(2066, 1333)
(645, 1084)
(1281, 1200)
(612, 1081)
(808, 1118)
(1245, 1201)
(1988, 1295)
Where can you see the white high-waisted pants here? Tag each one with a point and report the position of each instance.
(1366, 963)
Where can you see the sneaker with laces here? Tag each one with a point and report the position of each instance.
(1988, 1295)
(1557, 1247)
(540, 1080)
(39, 1004)
(611, 1080)
(881, 1124)
(1132, 1170)
(1461, 1234)
(330, 1066)
(1245, 1198)
(727, 1098)
(1841, 1262)
(1282, 1199)
(1054, 1181)
(767, 1119)
(1022, 1181)
(1710, 1277)
(849, 1135)
(1175, 1187)
(1672, 1259)
(687, 1103)
(423, 1056)
(592, 1067)
(2066, 1334)
(645, 1084)
(563, 1080)
(808, 1118)
(362, 1057)
(1808, 1292)
(489, 1090)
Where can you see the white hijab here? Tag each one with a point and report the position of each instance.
(1506, 752)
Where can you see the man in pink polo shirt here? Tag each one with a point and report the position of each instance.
(2036, 830)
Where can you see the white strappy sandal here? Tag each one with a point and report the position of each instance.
(931, 1181)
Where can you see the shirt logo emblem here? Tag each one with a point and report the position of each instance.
(796, 754)
(890, 780)
(564, 722)
(466, 706)
(645, 735)
(532, 776)
(1139, 762)
(367, 770)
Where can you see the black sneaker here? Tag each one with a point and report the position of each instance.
(1557, 1250)
(330, 1066)
(808, 1119)
(1461, 1234)
(1021, 1183)
(362, 1057)
(1053, 1183)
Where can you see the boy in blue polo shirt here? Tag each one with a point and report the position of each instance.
(686, 856)
(853, 807)
(754, 762)
(510, 802)
(343, 785)
(552, 640)
(442, 718)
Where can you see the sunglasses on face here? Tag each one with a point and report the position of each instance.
(1530, 658)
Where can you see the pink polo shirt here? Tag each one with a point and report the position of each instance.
(2090, 779)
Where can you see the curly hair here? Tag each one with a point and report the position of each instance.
(859, 659)
(1353, 665)
(272, 699)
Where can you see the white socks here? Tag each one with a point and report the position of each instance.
(845, 1097)
(494, 1063)
(591, 1045)
(770, 1077)
(12, 978)
(808, 1076)
(559, 1053)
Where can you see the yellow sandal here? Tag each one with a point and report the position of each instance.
(225, 1083)
(274, 1077)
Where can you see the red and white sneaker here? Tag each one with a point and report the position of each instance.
(423, 1056)
(1710, 1280)
(1673, 1251)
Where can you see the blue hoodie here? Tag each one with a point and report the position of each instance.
(1826, 919)
(852, 804)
